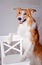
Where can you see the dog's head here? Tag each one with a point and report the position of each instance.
(24, 14)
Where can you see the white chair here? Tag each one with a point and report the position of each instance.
(12, 59)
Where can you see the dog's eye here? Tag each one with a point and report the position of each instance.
(24, 13)
(19, 12)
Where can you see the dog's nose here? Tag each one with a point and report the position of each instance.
(19, 18)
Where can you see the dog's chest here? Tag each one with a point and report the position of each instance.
(24, 31)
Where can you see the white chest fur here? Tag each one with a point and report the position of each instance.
(24, 31)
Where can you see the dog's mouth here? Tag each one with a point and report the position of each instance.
(22, 21)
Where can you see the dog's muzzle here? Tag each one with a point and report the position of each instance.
(20, 20)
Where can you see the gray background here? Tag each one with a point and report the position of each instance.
(8, 22)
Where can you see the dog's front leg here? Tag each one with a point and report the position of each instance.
(28, 51)
(24, 56)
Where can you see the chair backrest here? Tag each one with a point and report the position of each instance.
(3, 52)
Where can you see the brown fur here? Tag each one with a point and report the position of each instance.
(35, 40)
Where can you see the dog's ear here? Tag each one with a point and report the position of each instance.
(17, 9)
(31, 10)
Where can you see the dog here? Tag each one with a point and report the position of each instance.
(28, 29)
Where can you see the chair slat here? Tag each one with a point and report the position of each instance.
(12, 47)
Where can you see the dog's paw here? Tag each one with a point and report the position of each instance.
(23, 58)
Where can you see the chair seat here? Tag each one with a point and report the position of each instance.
(13, 59)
